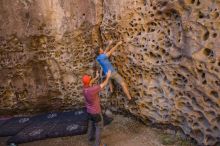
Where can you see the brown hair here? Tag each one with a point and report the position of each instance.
(97, 49)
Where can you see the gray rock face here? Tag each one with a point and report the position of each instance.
(170, 58)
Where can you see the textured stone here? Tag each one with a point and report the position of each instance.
(170, 58)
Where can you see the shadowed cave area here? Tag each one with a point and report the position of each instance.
(170, 59)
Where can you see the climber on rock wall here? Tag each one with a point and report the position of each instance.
(92, 100)
(103, 60)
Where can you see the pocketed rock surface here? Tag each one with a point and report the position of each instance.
(170, 58)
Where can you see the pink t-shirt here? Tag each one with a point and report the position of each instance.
(92, 99)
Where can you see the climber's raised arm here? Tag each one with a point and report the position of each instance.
(94, 79)
(108, 47)
(109, 53)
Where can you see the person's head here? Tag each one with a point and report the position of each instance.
(101, 51)
(86, 80)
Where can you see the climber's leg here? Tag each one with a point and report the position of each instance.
(121, 81)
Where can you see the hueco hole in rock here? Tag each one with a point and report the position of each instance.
(169, 57)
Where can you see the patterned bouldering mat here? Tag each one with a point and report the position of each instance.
(13, 126)
(52, 125)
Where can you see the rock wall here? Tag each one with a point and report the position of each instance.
(45, 47)
(171, 61)
(170, 58)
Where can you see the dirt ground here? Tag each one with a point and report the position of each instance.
(122, 131)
